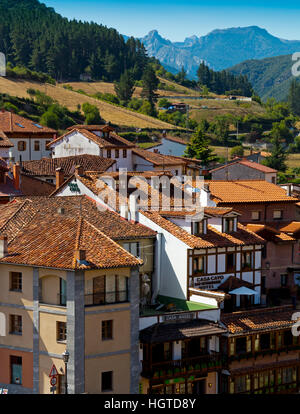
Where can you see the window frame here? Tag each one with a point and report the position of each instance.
(259, 215)
(61, 335)
(19, 283)
(107, 330)
(22, 146)
(15, 324)
(281, 215)
(36, 145)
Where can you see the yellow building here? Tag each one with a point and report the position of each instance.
(65, 284)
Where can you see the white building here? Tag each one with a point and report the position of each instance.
(98, 140)
(27, 139)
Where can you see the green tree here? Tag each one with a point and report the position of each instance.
(125, 87)
(237, 151)
(198, 148)
(278, 155)
(294, 97)
(150, 85)
(91, 113)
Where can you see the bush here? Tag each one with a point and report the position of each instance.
(237, 151)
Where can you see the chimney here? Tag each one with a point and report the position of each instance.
(3, 246)
(79, 170)
(60, 178)
(16, 175)
(61, 210)
(80, 255)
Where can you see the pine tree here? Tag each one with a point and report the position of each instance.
(150, 85)
(278, 155)
(198, 148)
(125, 87)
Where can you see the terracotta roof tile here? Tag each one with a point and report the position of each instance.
(258, 320)
(247, 163)
(269, 233)
(158, 159)
(213, 237)
(10, 122)
(52, 241)
(247, 191)
(4, 141)
(48, 166)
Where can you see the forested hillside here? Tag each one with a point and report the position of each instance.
(35, 36)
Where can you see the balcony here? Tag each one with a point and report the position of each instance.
(106, 298)
(60, 300)
(169, 369)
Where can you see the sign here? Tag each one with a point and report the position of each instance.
(179, 316)
(208, 282)
(53, 372)
(53, 381)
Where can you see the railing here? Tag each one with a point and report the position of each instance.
(106, 298)
(61, 300)
(263, 352)
(204, 363)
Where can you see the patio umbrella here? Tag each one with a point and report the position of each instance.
(243, 291)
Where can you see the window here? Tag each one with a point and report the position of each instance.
(107, 381)
(230, 262)
(16, 281)
(21, 146)
(108, 153)
(124, 153)
(242, 384)
(198, 227)
(46, 144)
(49, 180)
(228, 225)
(15, 325)
(117, 153)
(16, 370)
(277, 214)
(61, 331)
(247, 260)
(107, 330)
(199, 264)
(255, 215)
(283, 279)
(273, 180)
(36, 145)
(133, 248)
(241, 345)
(287, 338)
(265, 341)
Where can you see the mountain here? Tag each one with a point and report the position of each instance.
(220, 49)
(35, 36)
(269, 77)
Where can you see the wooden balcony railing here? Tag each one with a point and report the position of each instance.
(202, 363)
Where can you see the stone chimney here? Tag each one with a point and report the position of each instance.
(79, 170)
(16, 175)
(3, 246)
(60, 178)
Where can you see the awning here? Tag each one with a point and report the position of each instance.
(243, 291)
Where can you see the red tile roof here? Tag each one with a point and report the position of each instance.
(48, 166)
(113, 141)
(250, 164)
(158, 159)
(213, 238)
(10, 122)
(247, 191)
(4, 141)
(258, 320)
(52, 241)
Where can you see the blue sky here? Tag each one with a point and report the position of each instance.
(178, 19)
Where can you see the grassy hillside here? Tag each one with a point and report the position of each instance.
(70, 99)
(269, 77)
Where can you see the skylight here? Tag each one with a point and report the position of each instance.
(38, 126)
(20, 125)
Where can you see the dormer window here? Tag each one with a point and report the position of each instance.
(229, 225)
(199, 227)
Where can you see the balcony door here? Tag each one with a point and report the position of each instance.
(99, 290)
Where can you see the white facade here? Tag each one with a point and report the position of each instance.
(75, 143)
(33, 149)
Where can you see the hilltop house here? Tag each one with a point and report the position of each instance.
(22, 139)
